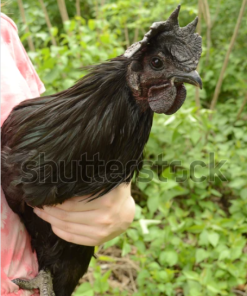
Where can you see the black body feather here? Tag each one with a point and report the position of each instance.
(46, 143)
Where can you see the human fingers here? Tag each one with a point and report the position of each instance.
(83, 203)
(76, 204)
(128, 214)
(74, 238)
(48, 213)
(98, 232)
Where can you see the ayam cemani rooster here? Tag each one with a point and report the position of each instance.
(106, 116)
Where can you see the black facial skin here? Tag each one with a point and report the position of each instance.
(158, 81)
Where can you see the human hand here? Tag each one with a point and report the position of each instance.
(91, 223)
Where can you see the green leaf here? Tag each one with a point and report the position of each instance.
(153, 201)
(201, 255)
(191, 275)
(224, 254)
(215, 289)
(106, 258)
(52, 75)
(112, 242)
(203, 238)
(192, 288)
(25, 36)
(169, 257)
(216, 193)
(126, 248)
(91, 24)
(85, 289)
(236, 253)
(213, 238)
(237, 183)
(168, 184)
(243, 194)
(54, 31)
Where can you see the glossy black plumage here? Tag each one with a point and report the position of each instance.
(97, 116)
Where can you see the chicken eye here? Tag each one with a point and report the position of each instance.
(156, 63)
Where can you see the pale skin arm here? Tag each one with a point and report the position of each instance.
(91, 223)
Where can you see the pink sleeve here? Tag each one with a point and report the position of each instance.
(17, 258)
(19, 81)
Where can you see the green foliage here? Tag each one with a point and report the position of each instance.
(59, 66)
(202, 229)
(190, 229)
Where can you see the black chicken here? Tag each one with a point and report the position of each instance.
(89, 138)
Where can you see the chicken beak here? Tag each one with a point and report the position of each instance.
(192, 78)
